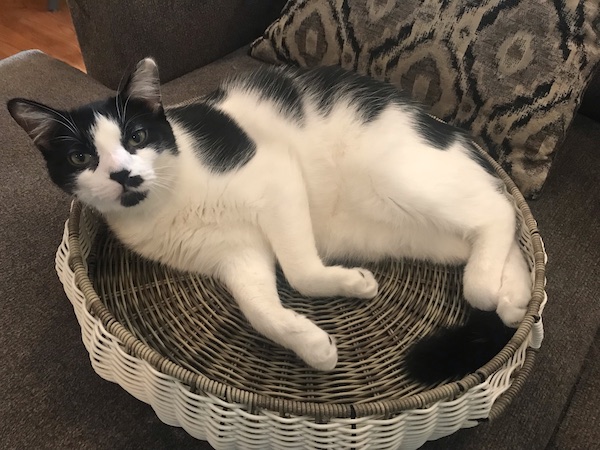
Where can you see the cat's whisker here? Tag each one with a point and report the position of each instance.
(162, 179)
(162, 187)
(117, 103)
(125, 106)
(72, 122)
(66, 139)
(164, 184)
(67, 122)
(135, 117)
(165, 187)
(117, 106)
(66, 125)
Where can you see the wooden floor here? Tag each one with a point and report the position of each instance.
(27, 24)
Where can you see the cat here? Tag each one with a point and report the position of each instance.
(299, 167)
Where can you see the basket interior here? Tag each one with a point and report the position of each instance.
(194, 322)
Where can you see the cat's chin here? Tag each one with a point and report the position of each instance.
(128, 201)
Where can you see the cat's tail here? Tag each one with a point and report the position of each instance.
(449, 354)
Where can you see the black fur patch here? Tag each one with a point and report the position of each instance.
(441, 135)
(277, 86)
(222, 144)
(452, 353)
(332, 84)
(132, 198)
(438, 134)
(476, 156)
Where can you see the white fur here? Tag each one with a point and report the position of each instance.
(332, 188)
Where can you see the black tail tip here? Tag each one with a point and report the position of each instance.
(449, 354)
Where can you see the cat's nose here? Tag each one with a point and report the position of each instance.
(124, 179)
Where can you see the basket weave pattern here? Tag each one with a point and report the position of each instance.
(178, 342)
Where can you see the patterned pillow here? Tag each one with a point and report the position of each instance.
(511, 72)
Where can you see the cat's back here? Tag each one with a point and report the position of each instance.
(311, 112)
(332, 121)
(296, 97)
(303, 97)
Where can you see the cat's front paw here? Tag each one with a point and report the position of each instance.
(338, 281)
(314, 345)
(360, 283)
(321, 353)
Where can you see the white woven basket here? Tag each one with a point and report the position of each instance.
(227, 425)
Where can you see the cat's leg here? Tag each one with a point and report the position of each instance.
(250, 277)
(492, 237)
(294, 245)
(287, 225)
(471, 221)
(515, 291)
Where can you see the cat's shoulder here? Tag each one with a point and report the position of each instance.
(215, 138)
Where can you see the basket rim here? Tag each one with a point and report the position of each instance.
(320, 411)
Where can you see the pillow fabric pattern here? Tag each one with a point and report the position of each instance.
(511, 72)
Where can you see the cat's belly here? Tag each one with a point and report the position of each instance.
(358, 238)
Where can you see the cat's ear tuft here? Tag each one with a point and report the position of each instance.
(144, 84)
(36, 119)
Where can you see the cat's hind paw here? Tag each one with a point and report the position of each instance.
(510, 314)
(514, 297)
(480, 290)
(515, 293)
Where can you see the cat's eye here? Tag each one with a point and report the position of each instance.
(137, 138)
(79, 158)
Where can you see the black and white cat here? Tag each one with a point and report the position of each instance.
(299, 167)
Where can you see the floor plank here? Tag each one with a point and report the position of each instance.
(27, 24)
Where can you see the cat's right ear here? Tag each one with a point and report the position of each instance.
(36, 119)
(144, 84)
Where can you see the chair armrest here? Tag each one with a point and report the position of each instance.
(181, 34)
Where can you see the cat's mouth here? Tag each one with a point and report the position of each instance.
(132, 198)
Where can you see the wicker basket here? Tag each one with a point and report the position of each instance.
(178, 342)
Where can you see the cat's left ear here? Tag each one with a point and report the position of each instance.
(36, 119)
(144, 84)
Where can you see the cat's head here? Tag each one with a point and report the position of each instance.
(106, 153)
